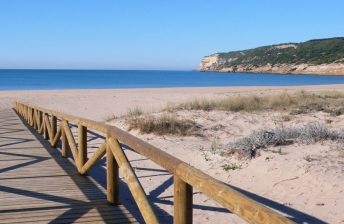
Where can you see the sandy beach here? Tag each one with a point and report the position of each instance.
(302, 182)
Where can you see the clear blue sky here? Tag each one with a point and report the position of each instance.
(147, 34)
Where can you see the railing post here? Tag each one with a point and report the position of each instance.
(25, 110)
(30, 116)
(45, 130)
(27, 114)
(35, 125)
(112, 176)
(64, 142)
(53, 125)
(82, 144)
(40, 120)
(182, 202)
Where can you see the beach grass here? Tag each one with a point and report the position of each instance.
(297, 103)
(165, 124)
(109, 117)
(136, 111)
(301, 102)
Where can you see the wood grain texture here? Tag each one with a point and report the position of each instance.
(38, 185)
(101, 151)
(82, 146)
(64, 142)
(71, 140)
(134, 184)
(182, 201)
(112, 176)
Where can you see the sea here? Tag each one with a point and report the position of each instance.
(22, 79)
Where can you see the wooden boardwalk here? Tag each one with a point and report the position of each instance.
(37, 185)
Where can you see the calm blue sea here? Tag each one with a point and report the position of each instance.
(107, 79)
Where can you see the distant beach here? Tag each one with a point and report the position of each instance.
(98, 103)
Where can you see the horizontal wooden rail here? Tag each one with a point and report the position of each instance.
(186, 177)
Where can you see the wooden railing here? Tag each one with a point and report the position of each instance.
(185, 176)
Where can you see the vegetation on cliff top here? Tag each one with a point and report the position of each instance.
(316, 52)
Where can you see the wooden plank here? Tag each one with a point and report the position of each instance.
(89, 214)
(72, 194)
(38, 185)
(86, 211)
(100, 206)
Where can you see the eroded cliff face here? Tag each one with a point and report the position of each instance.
(214, 63)
(211, 63)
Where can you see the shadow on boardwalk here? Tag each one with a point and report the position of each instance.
(37, 184)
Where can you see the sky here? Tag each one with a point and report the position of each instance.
(153, 34)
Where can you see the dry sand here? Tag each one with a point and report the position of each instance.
(304, 182)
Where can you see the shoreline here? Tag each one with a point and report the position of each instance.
(190, 89)
(271, 73)
(96, 104)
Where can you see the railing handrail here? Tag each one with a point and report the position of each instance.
(231, 199)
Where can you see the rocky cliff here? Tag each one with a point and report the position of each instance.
(325, 56)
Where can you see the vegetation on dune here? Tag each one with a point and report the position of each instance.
(298, 103)
(167, 122)
(137, 111)
(315, 52)
(307, 134)
(164, 124)
(109, 117)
